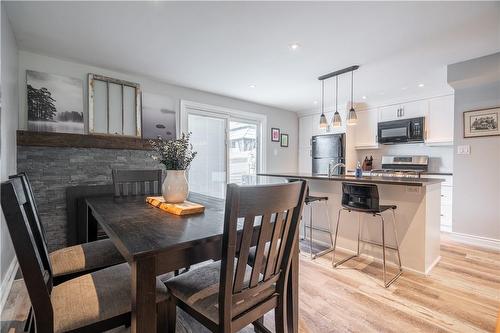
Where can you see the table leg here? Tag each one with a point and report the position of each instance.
(143, 295)
(292, 303)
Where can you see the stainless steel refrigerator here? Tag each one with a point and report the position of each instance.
(326, 149)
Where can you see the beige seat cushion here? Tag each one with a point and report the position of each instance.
(94, 297)
(199, 288)
(85, 257)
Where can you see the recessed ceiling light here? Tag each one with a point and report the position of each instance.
(294, 46)
(420, 85)
(364, 97)
(404, 88)
(252, 86)
(315, 102)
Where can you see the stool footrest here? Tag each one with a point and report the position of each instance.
(338, 263)
(378, 244)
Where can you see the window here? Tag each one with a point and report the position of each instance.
(114, 106)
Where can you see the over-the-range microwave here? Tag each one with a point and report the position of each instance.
(401, 131)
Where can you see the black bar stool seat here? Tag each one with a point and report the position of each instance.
(364, 199)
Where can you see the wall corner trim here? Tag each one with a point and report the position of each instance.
(6, 284)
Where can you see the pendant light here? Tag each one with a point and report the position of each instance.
(352, 118)
(337, 121)
(323, 123)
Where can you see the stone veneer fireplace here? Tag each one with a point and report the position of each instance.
(52, 168)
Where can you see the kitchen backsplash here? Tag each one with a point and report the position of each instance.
(440, 158)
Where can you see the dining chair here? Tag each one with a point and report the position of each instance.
(72, 261)
(136, 182)
(227, 295)
(93, 302)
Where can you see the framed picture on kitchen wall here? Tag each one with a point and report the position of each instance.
(284, 140)
(158, 117)
(275, 134)
(55, 103)
(479, 123)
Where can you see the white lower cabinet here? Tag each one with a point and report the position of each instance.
(446, 201)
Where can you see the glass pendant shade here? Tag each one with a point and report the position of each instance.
(323, 123)
(337, 121)
(352, 118)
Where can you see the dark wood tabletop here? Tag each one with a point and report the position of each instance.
(142, 230)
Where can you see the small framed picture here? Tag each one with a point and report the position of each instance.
(478, 123)
(284, 140)
(275, 134)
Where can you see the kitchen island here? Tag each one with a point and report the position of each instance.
(417, 217)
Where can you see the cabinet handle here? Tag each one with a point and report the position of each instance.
(402, 111)
(397, 113)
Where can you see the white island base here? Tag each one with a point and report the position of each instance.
(417, 222)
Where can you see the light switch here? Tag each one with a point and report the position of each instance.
(463, 150)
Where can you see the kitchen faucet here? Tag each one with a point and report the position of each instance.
(331, 168)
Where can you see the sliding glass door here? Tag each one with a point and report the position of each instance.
(228, 151)
(243, 151)
(207, 174)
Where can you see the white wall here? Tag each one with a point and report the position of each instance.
(8, 120)
(278, 158)
(476, 177)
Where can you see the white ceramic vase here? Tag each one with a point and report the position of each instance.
(175, 187)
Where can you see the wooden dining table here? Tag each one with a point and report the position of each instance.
(155, 242)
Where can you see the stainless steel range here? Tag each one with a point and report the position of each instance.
(402, 166)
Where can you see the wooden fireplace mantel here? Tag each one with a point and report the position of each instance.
(49, 139)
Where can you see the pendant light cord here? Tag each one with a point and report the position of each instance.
(322, 97)
(336, 94)
(352, 88)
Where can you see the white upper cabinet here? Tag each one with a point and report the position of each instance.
(365, 130)
(404, 111)
(439, 122)
(305, 131)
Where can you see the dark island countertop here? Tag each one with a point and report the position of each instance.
(365, 179)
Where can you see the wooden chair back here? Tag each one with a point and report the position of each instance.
(136, 182)
(277, 209)
(36, 225)
(19, 218)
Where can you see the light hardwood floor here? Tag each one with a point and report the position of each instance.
(462, 294)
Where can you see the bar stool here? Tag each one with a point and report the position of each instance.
(309, 201)
(364, 198)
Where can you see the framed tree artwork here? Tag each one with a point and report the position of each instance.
(284, 140)
(55, 103)
(275, 134)
(479, 123)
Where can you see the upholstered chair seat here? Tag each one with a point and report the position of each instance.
(199, 288)
(95, 297)
(85, 257)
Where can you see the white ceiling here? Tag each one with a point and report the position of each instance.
(224, 47)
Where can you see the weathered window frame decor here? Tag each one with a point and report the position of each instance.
(54, 103)
(92, 79)
(490, 123)
(275, 134)
(284, 140)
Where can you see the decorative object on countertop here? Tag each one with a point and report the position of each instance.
(352, 118)
(284, 140)
(479, 123)
(359, 172)
(367, 164)
(176, 156)
(55, 103)
(275, 134)
(183, 208)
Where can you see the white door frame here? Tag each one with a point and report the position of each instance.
(190, 106)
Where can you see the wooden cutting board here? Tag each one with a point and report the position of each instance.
(183, 208)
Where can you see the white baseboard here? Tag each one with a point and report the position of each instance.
(489, 243)
(7, 282)
(429, 269)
